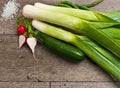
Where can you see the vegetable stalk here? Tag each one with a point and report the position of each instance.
(112, 31)
(104, 26)
(83, 14)
(113, 14)
(103, 58)
(69, 4)
(76, 24)
(93, 3)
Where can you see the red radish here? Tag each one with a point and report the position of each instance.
(22, 40)
(21, 29)
(32, 42)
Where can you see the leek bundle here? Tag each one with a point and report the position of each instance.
(98, 28)
(76, 24)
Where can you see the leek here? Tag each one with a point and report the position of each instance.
(114, 15)
(100, 56)
(83, 14)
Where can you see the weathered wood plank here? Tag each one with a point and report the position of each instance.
(24, 85)
(19, 65)
(85, 85)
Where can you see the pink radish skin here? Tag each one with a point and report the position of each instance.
(32, 42)
(22, 40)
(21, 29)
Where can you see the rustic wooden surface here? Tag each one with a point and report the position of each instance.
(18, 69)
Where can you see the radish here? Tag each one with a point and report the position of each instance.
(22, 40)
(32, 42)
(26, 31)
(21, 29)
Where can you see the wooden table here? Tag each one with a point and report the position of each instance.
(18, 69)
